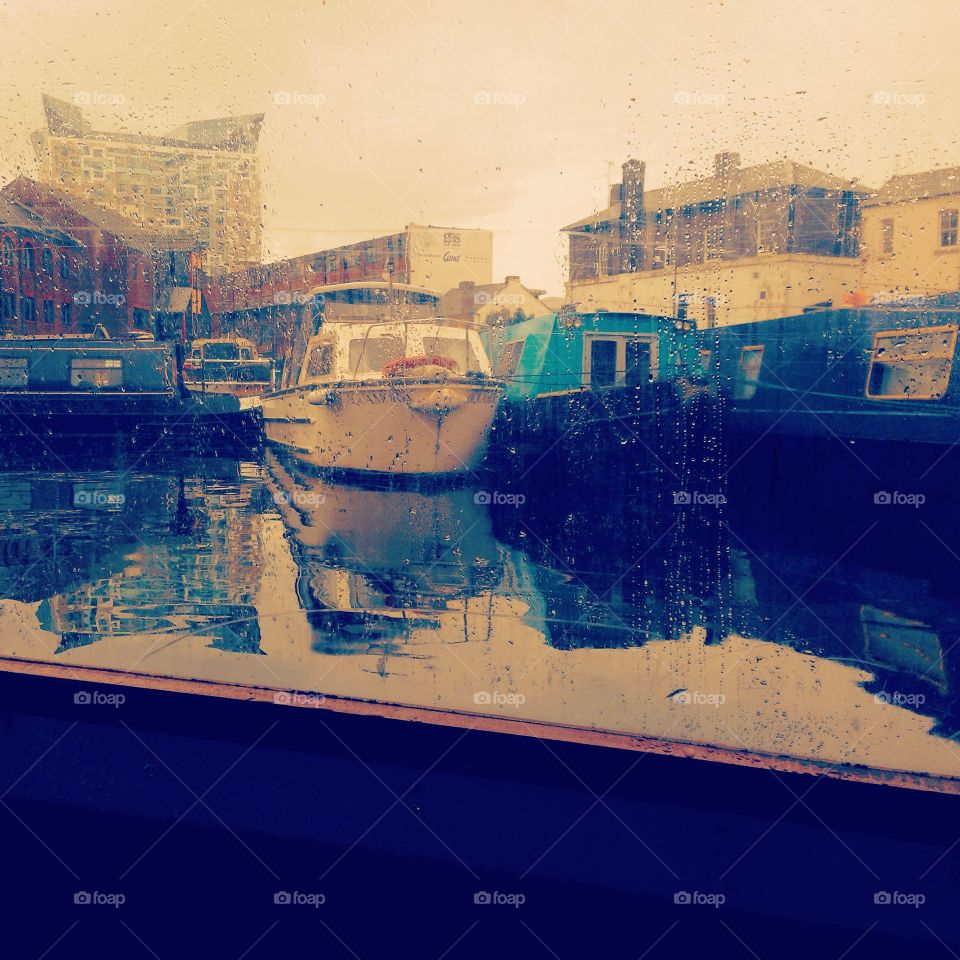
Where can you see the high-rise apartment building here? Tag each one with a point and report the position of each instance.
(202, 177)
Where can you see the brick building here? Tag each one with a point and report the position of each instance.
(116, 273)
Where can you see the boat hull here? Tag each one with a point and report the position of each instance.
(404, 428)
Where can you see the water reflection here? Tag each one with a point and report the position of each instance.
(611, 614)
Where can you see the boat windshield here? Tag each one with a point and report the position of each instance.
(459, 349)
(372, 354)
(221, 351)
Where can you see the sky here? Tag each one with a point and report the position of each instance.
(510, 116)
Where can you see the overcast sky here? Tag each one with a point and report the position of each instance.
(503, 114)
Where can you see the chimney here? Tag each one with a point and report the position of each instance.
(725, 163)
(509, 279)
(467, 284)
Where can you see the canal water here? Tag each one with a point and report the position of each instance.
(651, 615)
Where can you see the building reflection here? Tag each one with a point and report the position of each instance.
(122, 555)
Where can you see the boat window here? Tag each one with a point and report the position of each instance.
(509, 359)
(603, 363)
(911, 364)
(458, 349)
(372, 354)
(220, 351)
(96, 372)
(13, 372)
(639, 363)
(321, 361)
(748, 373)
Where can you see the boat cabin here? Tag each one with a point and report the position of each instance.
(350, 351)
(574, 352)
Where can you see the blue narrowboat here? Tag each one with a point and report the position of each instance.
(96, 385)
(592, 388)
(870, 391)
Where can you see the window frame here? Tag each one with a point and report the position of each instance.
(949, 228)
(743, 388)
(951, 329)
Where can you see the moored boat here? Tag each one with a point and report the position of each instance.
(379, 386)
(227, 365)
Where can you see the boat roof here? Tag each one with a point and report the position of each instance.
(371, 285)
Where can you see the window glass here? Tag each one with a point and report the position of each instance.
(603, 363)
(372, 354)
(748, 373)
(911, 365)
(458, 349)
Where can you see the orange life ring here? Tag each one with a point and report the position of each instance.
(396, 367)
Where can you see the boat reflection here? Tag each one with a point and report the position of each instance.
(381, 569)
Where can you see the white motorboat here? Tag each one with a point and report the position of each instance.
(371, 384)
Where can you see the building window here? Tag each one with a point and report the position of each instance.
(46, 260)
(64, 267)
(911, 364)
(48, 312)
(66, 315)
(748, 373)
(28, 309)
(711, 311)
(713, 243)
(28, 257)
(683, 301)
(767, 236)
(9, 257)
(886, 236)
(948, 228)
(705, 357)
(8, 305)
